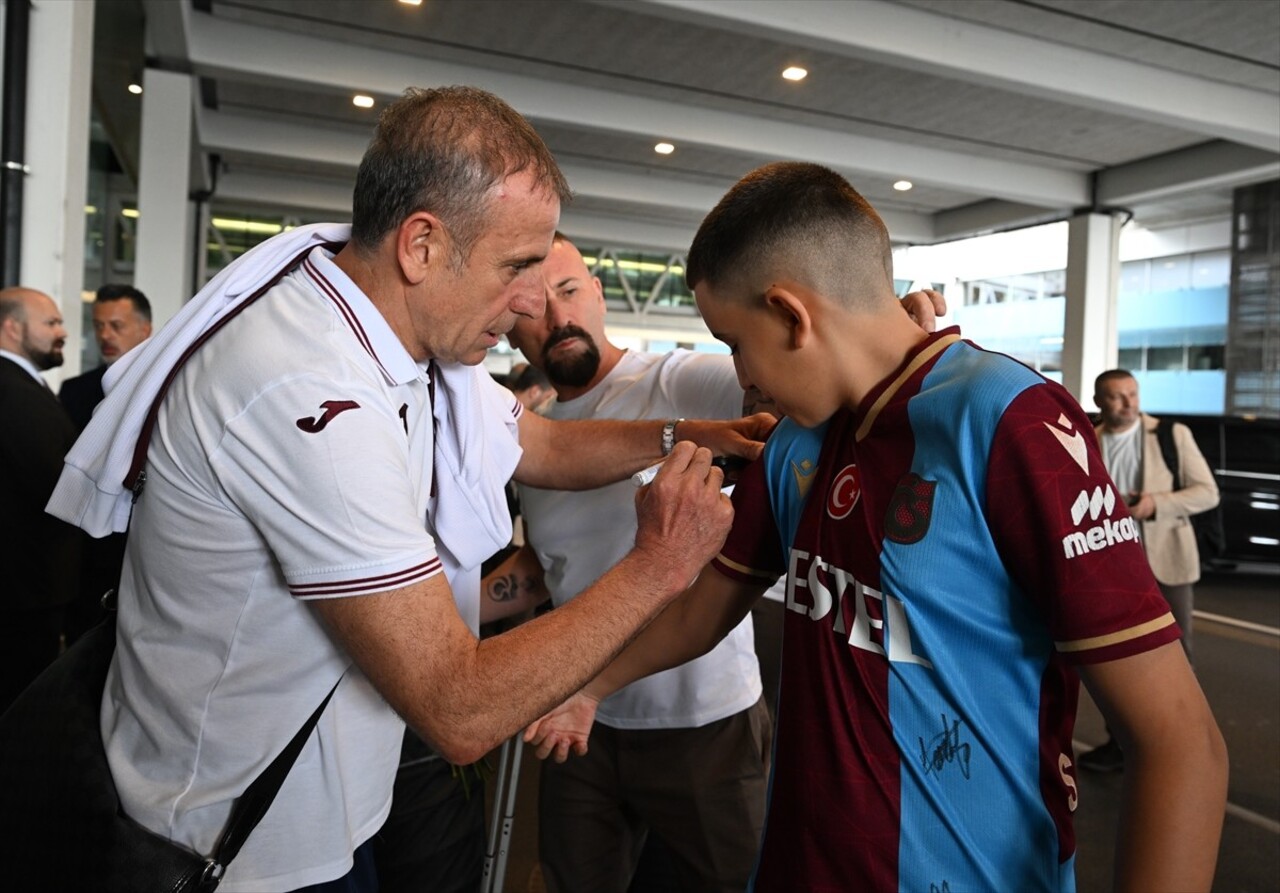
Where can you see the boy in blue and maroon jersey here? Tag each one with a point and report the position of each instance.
(955, 554)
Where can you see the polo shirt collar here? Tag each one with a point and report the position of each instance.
(356, 310)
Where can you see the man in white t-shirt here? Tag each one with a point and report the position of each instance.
(682, 755)
(323, 480)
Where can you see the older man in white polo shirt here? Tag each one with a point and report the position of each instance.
(325, 475)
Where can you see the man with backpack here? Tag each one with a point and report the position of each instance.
(1164, 478)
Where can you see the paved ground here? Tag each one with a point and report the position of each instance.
(1239, 668)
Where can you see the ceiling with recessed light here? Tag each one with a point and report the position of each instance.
(1001, 113)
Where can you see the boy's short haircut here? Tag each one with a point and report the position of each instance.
(796, 220)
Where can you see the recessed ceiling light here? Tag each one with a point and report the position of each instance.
(135, 89)
(903, 185)
(411, 2)
(795, 73)
(664, 148)
(361, 101)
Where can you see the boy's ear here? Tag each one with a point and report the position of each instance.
(421, 243)
(789, 306)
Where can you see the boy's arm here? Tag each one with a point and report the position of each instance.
(688, 628)
(1168, 833)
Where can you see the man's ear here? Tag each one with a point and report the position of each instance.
(787, 305)
(421, 246)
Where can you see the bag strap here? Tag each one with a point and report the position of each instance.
(253, 804)
(1169, 450)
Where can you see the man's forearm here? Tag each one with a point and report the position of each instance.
(581, 455)
(517, 676)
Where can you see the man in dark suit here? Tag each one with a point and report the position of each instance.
(121, 321)
(40, 554)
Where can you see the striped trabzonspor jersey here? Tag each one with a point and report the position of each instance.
(950, 548)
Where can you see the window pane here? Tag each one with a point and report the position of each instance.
(1171, 273)
(1165, 358)
(1131, 359)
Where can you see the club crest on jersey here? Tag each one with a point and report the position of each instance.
(910, 510)
(844, 493)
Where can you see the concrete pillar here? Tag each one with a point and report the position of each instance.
(1090, 343)
(59, 74)
(162, 269)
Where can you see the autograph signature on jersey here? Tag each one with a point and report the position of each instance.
(943, 749)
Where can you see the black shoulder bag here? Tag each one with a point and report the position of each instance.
(62, 828)
(1211, 535)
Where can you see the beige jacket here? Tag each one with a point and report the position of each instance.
(1168, 537)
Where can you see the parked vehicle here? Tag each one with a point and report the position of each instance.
(1244, 453)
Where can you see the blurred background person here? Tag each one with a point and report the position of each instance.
(121, 321)
(1160, 498)
(40, 554)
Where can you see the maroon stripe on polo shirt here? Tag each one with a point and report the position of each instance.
(334, 295)
(369, 584)
(517, 410)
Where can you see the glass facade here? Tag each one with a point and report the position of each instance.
(1171, 315)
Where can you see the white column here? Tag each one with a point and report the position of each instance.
(59, 73)
(1090, 344)
(163, 266)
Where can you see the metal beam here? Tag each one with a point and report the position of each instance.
(285, 192)
(1215, 165)
(246, 52)
(895, 35)
(288, 140)
(988, 217)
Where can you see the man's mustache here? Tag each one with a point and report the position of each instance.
(564, 334)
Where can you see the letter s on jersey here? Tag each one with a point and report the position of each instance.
(1073, 794)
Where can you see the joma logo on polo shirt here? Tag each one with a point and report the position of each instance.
(332, 408)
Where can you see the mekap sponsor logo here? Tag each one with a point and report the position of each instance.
(1097, 505)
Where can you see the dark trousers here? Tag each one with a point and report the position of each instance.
(701, 791)
(434, 838)
(29, 642)
(1181, 601)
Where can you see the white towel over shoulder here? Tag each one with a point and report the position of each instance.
(473, 466)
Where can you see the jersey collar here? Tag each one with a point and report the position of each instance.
(882, 393)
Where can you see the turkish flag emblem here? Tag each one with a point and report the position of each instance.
(844, 493)
(910, 510)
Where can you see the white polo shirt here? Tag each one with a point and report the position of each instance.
(292, 460)
(578, 536)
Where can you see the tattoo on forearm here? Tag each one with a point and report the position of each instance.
(509, 587)
(504, 588)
